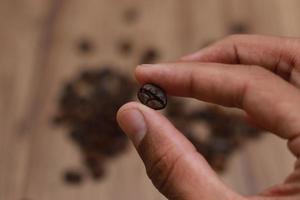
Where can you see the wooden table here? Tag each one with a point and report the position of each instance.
(38, 40)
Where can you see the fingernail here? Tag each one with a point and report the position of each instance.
(133, 124)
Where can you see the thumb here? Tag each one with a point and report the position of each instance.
(172, 163)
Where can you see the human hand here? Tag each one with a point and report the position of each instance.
(258, 74)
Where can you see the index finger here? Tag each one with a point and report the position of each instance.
(270, 100)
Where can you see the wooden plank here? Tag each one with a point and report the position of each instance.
(19, 39)
(289, 17)
(205, 23)
(264, 17)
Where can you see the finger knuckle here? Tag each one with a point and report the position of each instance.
(257, 72)
(252, 75)
(255, 75)
(231, 42)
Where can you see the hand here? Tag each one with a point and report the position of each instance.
(258, 74)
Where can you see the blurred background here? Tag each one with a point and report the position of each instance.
(55, 52)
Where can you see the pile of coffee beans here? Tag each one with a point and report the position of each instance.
(73, 177)
(227, 132)
(87, 108)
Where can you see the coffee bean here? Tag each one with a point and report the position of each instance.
(85, 46)
(152, 96)
(238, 28)
(125, 47)
(73, 177)
(131, 15)
(150, 56)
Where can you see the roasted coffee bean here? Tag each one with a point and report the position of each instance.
(152, 96)
(131, 15)
(85, 46)
(238, 28)
(57, 120)
(150, 56)
(73, 177)
(98, 173)
(125, 47)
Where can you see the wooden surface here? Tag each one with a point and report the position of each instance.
(37, 55)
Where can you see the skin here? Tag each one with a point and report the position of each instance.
(258, 74)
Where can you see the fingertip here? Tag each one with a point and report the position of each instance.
(130, 105)
(143, 72)
(138, 73)
(124, 108)
(132, 122)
